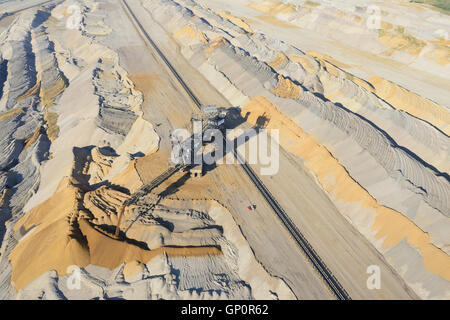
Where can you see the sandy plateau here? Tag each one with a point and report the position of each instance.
(86, 115)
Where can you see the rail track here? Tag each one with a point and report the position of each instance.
(33, 6)
(331, 281)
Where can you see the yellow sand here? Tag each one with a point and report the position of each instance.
(32, 91)
(187, 30)
(217, 43)
(441, 54)
(51, 246)
(49, 95)
(388, 223)
(397, 40)
(47, 100)
(51, 118)
(360, 82)
(237, 21)
(339, 73)
(441, 42)
(110, 200)
(274, 21)
(68, 232)
(397, 96)
(32, 139)
(11, 113)
(271, 9)
(386, 25)
(100, 167)
(412, 103)
(65, 237)
(332, 66)
(413, 5)
(129, 177)
(324, 57)
(312, 3)
(110, 253)
(332, 96)
(357, 19)
(287, 89)
(4, 197)
(146, 82)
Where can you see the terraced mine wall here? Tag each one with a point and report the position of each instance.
(385, 169)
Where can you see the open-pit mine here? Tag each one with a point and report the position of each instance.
(224, 149)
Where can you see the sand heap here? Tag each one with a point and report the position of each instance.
(384, 155)
(76, 144)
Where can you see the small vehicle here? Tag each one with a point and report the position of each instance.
(252, 207)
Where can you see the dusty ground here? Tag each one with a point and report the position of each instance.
(314, 204)
(305, 282)
(330, 163)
